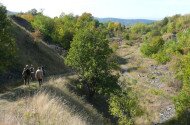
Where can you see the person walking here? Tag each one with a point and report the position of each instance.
(39, 75)
(26, 74)
(43, 70)
(32, 72)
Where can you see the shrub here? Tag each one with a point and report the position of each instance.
(129, 42)
(114, 46)
(125, 107)
(152, 47)
(162, 57)
(182, 101)
(126, 36)
(165, 54)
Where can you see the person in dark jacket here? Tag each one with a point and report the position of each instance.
(44, 72)
(32, 72)
(26, 74)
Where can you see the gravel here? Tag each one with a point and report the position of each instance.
(167, 113)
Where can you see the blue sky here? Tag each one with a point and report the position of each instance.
(128, 9)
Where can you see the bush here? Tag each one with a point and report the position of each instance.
(126, 36)
(129, 42)
(125, 107)
(165, 54)
(182, 101)
(162, 57)
(152, 47)
(114, 46)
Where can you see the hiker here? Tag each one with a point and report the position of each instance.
(26, 74)
(39, 75)
(43, 71)
(32, 72)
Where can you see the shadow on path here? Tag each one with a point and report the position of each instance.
(120, 60)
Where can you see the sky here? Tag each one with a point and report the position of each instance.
(126, 9)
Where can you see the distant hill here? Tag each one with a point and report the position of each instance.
(126, 22)
(11, 13)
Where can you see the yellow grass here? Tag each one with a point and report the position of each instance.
(42, 109)
(53, 104)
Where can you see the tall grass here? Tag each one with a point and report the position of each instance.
(42, 109)
(53, 104)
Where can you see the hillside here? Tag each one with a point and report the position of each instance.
(11, 13)
(126, 22)
(52, 104)
(30, 51)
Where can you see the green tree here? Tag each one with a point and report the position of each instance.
(139, 28)
(64, 30)
(7, 43)
(44, 24)
(89, 54)
(86, 20)
(165, 21)
(33, 12)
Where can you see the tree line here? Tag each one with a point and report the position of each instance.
(61, 30)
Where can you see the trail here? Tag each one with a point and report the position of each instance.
(151, 82)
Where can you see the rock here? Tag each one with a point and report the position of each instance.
(167, 113)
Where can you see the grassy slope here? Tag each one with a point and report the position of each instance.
(32, 52)
(53, 103)
(37, 53)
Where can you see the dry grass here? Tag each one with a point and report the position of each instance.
(41, 109)
(53, 104)
(151, 98)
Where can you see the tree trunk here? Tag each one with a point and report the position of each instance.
(90, 90)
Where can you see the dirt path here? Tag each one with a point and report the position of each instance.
(152, 83)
